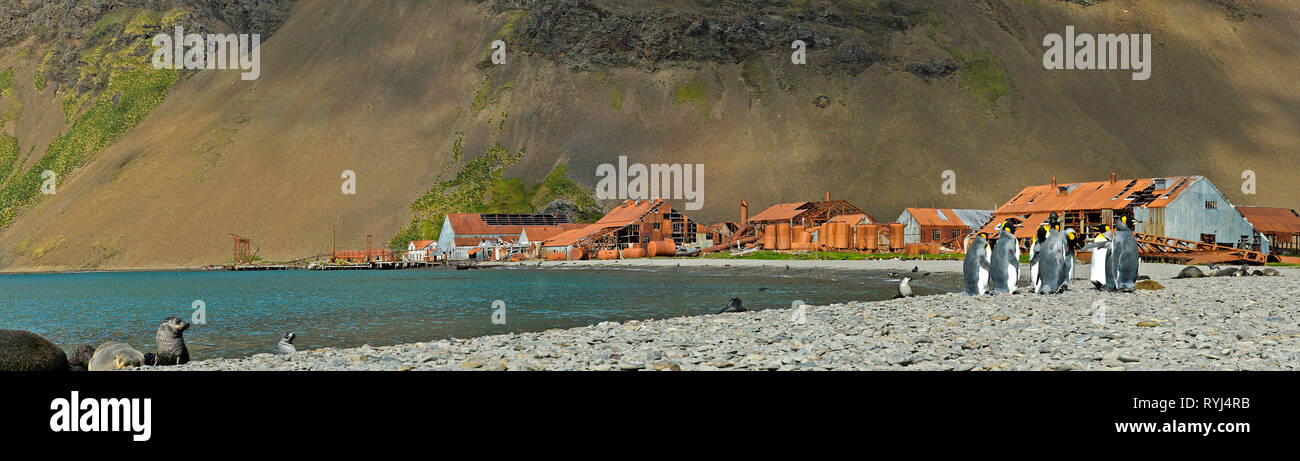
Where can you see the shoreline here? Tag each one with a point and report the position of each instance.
(1226, 323)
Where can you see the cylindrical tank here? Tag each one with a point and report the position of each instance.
(577, 254)
(896, 236)
(634, 253)
(842, 235)
(607, 254)
(783, 236)
(664, 247)
(797, 234)
(769, 237)
(872, 237)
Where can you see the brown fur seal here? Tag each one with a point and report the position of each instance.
(26, 351)
(80, 359)
(1190, 272)
(115, 355)
(734, 306)
(170, 348)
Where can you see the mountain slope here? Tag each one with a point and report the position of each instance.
(894, 94)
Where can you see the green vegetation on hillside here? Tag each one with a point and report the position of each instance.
(6, 81)
(479, 188)
(8, 155)
(695, 93)
(131, 88)
(983, 76)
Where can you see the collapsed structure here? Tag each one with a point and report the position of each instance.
(636, 228)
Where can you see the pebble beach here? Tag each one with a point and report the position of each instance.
(1224, 323)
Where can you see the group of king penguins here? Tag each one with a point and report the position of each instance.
(992, 265)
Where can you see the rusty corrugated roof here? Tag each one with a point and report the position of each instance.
(629, 212)
(571, 236)
(1028, 226)
(1095, 195)
(779, 212)
(420, 244)
(541, 233)
(849, 218)
(936, 217)
(1271, 220)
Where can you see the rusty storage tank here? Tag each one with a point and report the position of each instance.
(769, 237)
(577, 253)
(842, 236)
(896, 236)
(607, 254)
(783, 236)
(664, 247)
(872, 234)
(859, 237)
(797, 234)
(554, 256)
(634, 253)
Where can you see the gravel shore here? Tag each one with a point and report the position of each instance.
(1229, 323)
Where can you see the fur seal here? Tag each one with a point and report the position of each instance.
(285, 346)
(115, 355)
(734, 306)
(1190, 272)
(170, 348)
(80, 359)
(1271, 272)
(26, 351)
(1225, 272)
(904, 288)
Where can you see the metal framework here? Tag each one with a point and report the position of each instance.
(1192, 252)
(242, 253)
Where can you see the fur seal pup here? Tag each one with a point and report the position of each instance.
(170, 348)
(115, 355)
(734, 306)
(1004, 264)
(1271, 272)
(26, 351)
(285, 346)
(80, 359)
(975, 269)
(904, 288)
(1225, 272)
(1190, 272)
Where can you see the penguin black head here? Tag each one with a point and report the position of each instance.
(288, 337)
(1073, 241)
(984, 236)
(1127, 223)
(1041, 235)
(1009, 225)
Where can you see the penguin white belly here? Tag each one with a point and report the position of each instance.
(1014, 271)
(983, 281)
(1099, 266)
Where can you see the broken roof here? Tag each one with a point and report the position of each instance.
(780, 212)
(1097, 195)
(1272, 220)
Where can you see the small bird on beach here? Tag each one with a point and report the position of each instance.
(285, 346)
(734, 306)
(916, 268)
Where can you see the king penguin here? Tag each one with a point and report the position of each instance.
(1004, 264)
(1034, 246)
(1100, 246)
(1124, 254)
(1051, 259)
(1073, 241)
(975, 269)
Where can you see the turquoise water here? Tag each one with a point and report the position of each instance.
(247, 311)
